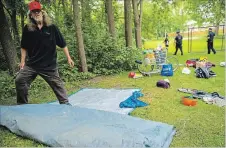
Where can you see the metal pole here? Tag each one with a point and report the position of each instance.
(222, 39)
(188, 40)
(191, 40)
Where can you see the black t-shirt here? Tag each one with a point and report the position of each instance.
(210, 36)
(178, 39)
(166, 41)
(41, 46)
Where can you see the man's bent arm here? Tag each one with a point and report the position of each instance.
(70, 61)
(66, 52)
(23, 55)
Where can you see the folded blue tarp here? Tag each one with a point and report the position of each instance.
(103, 99)
(62, 125)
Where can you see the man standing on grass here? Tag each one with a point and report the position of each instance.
(210, 38)
(39, 40)
(178, 42)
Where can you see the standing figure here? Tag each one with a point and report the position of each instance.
(166, 41)
(210, 38)
(38, 44)
(178, 42)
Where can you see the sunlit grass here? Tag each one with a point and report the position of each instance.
(199, 126)
(196, 45)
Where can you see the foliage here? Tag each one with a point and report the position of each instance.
(7, 86)
(212, 11)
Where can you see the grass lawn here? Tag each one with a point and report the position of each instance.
(200, 126)
(198, 44)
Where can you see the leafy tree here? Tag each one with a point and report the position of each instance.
(110, 18)
(128, 24)
(7, 42)
(79, 36)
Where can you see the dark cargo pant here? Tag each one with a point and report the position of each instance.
(28, 74)
(180, 47)
(210, 47)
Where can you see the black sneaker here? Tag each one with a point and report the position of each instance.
(66, 103)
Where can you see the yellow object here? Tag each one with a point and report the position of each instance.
(203, 59)
(150, 56)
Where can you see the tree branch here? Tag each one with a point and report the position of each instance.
(5, 8)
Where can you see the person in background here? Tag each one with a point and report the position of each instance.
(166, 41)
(210, 38)
(178, 43)
(38, 44)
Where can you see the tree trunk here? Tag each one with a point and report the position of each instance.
(137, 25)
(22, 20)
(86, 11)
(128, 25)
(217, 29)
(110, 18)
(3, 65)
(81, 51)
(15, 29)
(7, 42)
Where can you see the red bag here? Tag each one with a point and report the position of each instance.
(191, 62)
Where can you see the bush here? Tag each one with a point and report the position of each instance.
(7, 85)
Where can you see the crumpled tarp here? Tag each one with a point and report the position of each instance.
(102, 99)
(133, 102)
(68, 126)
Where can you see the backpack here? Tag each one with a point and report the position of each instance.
(202, 72)
(191, 62)
(163, 84)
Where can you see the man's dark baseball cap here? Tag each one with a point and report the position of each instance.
(34, 5)
(210, 28)
(178, 31)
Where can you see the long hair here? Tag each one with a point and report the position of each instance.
(32, 25)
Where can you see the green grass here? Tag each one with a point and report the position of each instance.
(198, 44)
(200, 126)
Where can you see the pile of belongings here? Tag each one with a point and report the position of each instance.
(204, 72)
(202, 67)
(209, 98)
(203, 60)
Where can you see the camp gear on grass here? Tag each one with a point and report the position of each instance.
(167, 70)
(189, 101)
(163, 84)
(210, 98)
(132, 101)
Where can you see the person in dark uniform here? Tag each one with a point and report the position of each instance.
(210, 38)
(178, 42)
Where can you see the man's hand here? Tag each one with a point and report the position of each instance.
(22, 65)
(70, 62)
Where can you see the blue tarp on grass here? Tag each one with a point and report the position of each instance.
(105, 99)
(70, 126)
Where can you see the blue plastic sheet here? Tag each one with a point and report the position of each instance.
(102, 99)
(68, 126)
(133, 102)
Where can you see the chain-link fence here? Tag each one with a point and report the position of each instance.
(197, 38)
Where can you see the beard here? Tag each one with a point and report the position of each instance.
(38, 19)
